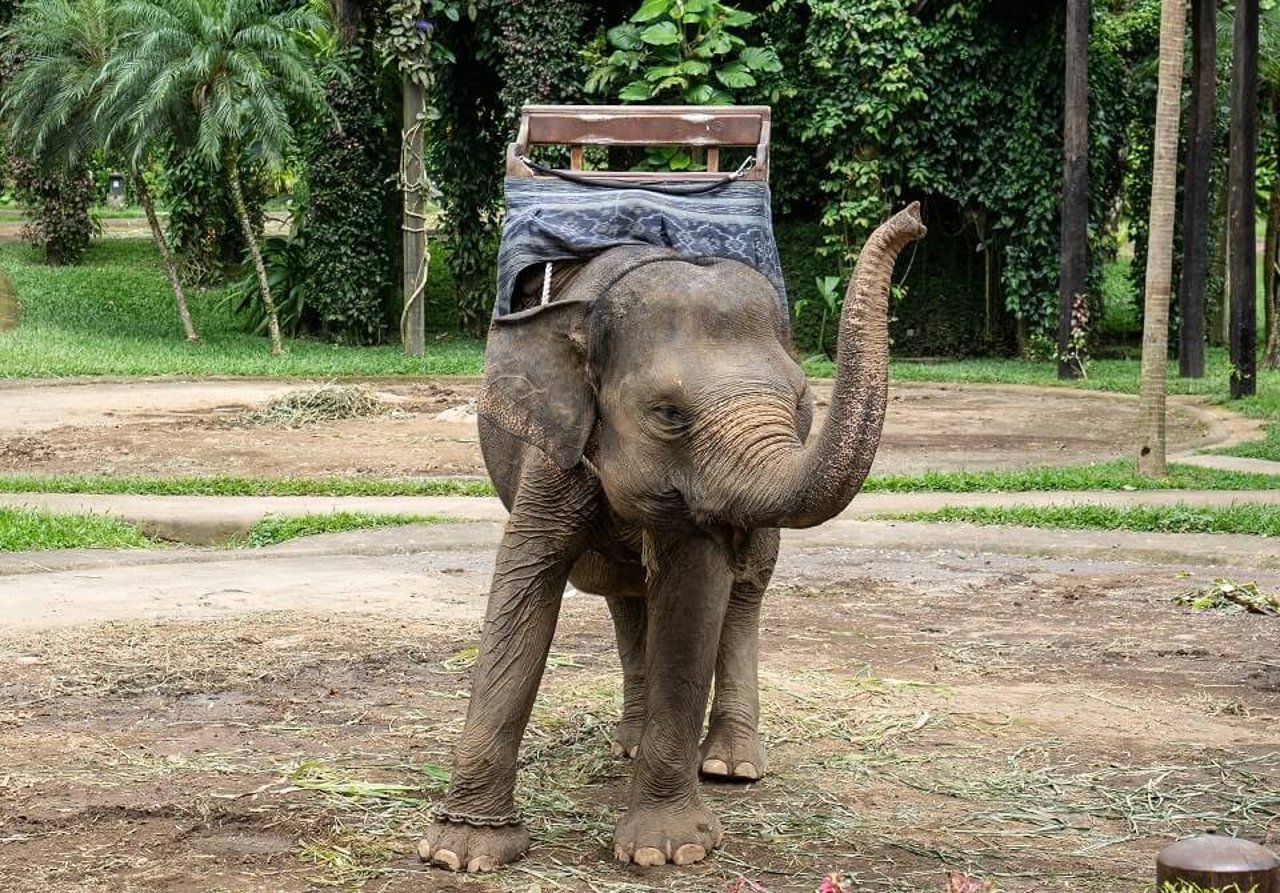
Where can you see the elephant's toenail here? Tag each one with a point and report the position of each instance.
(715, 767)
(481, 863)
(689, 853)
(649, 857)
(747, 770)
(621, 855)
(446, 859)
(635, 749)
(617, 749)
(424, 850)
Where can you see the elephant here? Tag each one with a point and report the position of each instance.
(648, 431)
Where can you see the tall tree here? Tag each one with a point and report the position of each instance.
(1196, 189)
(56, 104)
(235, 69)
(1269, 75)
(1074, 254)
(1164, 172)
(1241, 177)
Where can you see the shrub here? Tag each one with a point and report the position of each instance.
(351, 201)
(58, 207)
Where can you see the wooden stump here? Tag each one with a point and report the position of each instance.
(8, 304)
(1213, 862)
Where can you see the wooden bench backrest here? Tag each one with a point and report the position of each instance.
(707, 127)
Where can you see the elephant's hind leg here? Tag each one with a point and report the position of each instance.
(622, 584)
(477, 827)
(732, 749)
(629, 625)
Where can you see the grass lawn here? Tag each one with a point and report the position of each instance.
(1116, 475)
(31, 530)
(238, 486)
(113, 315)
(1250, 518)
(28, 530)
(270, 531)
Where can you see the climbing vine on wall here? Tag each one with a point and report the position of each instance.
(348, 245)
(477, 63)
(962, 101)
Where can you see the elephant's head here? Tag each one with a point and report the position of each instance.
(674, 380)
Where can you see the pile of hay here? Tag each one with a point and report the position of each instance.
(328, 403)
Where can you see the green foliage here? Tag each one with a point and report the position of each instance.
(347, 267)
(683, 51)
(51, 100)
(271, 531)
(57, 202)
(286, 261)
(1241, 517)
(961, 102)
(29, 530)
(237, 486)
(202, 224)
(828, 301)
(479, 63)
(236, 72)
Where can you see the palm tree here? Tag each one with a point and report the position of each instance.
(1164, 170)
(55, 103)
(237, 70)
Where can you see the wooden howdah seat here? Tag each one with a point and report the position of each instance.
(561, 217)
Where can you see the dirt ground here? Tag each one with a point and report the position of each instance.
(169, 427)
(1045, 724)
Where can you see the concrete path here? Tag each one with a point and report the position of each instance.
(206, 520)
(443, 570)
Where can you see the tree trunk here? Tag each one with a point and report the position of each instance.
(166, 259)
(1242, 176)
(1271, 246)
(413, 224)
(1074, 245)
(246, 227)
(1164, 172)
(1195, 209)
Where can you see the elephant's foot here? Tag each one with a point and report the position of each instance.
(659, 835)
(466, 848)
(626, 738)
(732, 754)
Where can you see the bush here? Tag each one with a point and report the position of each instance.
(351, 204)
(58, 204)
(203, 230)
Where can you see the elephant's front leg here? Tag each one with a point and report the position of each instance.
(477, 827)
(690, 579)
(733, 749)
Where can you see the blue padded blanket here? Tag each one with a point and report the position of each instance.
(555, 220)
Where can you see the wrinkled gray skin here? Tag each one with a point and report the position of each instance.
(649, 432)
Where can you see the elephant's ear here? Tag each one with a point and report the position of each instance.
(535, 379)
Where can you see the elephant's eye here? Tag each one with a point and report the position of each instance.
(671, 416)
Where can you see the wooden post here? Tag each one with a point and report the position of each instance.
(1074, 254)
(1195, 208)
(414, 222)
(1242, 174)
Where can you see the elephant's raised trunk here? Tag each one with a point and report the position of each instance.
(819, 480)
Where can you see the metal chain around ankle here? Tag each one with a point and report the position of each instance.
(477, 821)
